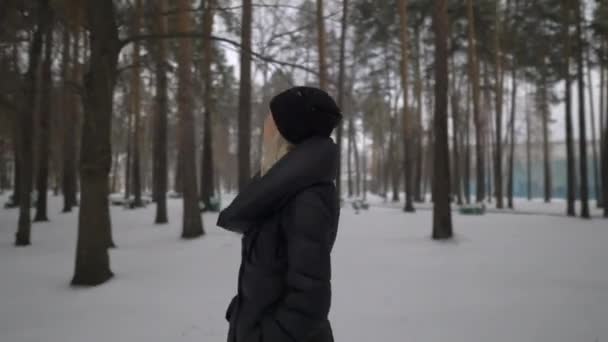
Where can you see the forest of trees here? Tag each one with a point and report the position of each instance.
(145, 98)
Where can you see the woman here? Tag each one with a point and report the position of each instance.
(288, 216)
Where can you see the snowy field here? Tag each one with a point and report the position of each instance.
(505, 277)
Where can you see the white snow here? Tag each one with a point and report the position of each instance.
(504, 278)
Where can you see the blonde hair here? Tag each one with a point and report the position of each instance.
(273, 151)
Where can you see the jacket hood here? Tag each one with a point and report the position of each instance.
(313, 161)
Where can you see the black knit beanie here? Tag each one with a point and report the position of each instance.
(303, 112)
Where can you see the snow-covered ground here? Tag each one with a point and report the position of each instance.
(504, 278)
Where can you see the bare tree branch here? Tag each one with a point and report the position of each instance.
(234, 43)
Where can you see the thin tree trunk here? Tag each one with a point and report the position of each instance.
(128, 160)
(596, 178)
(92, 265)
(407, 165)
(442, 217)
(570, 159)
(419, 134)
(499, 76)
(357, 165)
(26, 123)
(582, 137)
(467, 133)
(244, 143)
(44, 149)
(512, 140)
(488, 132)
(479, 126)
(192, 225)
(603, 111)
(3, 174)
(207, 190)
(544, 111)
(349, 176)
(135, 109)
(455, 102)
(160, 122)
(394, 164)
(69, 107)
(528, 157)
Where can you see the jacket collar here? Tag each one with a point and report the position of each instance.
(313, 161)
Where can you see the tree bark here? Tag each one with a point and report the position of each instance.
(596, 178)
(419, 134)
(69, 103)
(3, 174)
(544, 111)
(192, 225)
(478, 120)
(15, 197)
(602, 112)
(570, 159)
(349, 175)
(244, 143)
(512, 139)
(455, 102)
(94, 226)
(442, 217)
(135, 110)
(207, 190)
(407, 165)
(499, 77)
(467, 152)
(26, 123)
(129, 151)
(160, 122)
(528, 157)
(584, 187)
(44, 140)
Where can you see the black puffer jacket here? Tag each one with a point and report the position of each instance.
(289, 220)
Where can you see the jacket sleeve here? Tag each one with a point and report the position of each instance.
(307, 226)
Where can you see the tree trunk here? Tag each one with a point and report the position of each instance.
(467, 158)
(455, 102)
(419, 134)
(244, 143)
(94, 226)
(603, 110)
(69, 107)
(394, 164)
(192, 225)
(3, 175)
(207, 175)
(26, 123)
(512, 140)
(570, 159)
(129, 159)
(605, 159)
(582, 137)
(442, 217)
(544, 111)
(44, 149)
(160, 122)
(322, 49)
(479, 126)
(596, 177)
(489, 135)
(528, 157)
(135, 110)
(499, 77)
(349, 176)
(357, 165)
(407, 165)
